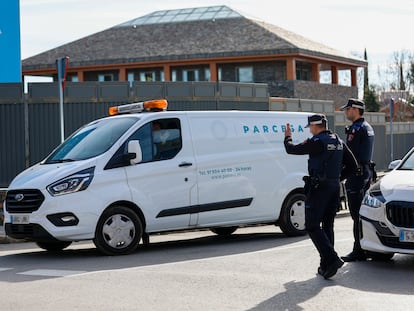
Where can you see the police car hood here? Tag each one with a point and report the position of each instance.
(398, 185)
(40, 176)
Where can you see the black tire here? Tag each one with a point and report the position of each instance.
(118, 232)
(224, 231)
(54, 246)
(292, 217)
(380, 256)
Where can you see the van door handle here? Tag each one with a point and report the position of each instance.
(185, 164)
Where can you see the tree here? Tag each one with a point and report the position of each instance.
(370, 95)
(366, 81)
(370, 99)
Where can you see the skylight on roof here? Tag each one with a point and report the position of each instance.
(181, 15)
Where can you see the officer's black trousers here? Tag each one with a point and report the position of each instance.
(321, 206)
(356, 186)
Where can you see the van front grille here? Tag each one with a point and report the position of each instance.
(24, 201)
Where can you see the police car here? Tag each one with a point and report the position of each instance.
(144, 170)
(387, 212)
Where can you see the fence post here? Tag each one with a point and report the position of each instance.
(26, 130)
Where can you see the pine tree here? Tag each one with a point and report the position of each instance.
(366, 81)
(370, 96)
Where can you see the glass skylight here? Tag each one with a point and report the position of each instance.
(181, 15)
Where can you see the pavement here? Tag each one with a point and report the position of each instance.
(257, 268)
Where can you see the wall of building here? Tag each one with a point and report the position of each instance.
(313, 90)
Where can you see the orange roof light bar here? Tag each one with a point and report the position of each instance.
(147, 106)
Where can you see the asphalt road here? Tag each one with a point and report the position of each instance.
(255, 269)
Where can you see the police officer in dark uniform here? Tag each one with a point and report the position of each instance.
(360, 140)
(328, 158)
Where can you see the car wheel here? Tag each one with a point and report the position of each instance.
(223, 231)
(380, 256)
(118, 232)
(292, 215)
(54, 246)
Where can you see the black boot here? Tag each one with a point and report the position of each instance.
(355, 256)
(332, 268)
(322, 268)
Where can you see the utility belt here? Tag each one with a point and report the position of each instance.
(314, 182)
(368, 167)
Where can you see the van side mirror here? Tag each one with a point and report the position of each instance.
(394, 164)
(134, 152)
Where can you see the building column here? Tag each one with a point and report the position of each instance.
(81, 76)
(290, 69)
(167, 73)
(122, 74)
(334, 74)
(316, 68)
(354, 81)
(213, 72)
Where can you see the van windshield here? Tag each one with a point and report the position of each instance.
(91, 140)
(408, 163)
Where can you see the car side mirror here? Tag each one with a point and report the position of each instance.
(394, 164)
(134, 152)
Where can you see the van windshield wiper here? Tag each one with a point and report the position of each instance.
(61, 160)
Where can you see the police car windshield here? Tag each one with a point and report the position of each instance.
(408, 163)
(91, 140)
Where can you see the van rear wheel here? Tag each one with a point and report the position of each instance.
(224, 231)
(118, 232)
(53, 246)
(292, 215)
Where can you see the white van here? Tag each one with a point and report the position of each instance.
(138, 172)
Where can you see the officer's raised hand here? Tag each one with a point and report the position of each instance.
(288, 130)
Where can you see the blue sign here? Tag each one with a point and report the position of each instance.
(10, 62)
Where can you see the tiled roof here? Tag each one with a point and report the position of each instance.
(133, 42)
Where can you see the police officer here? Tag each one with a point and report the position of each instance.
(327, 157)
(360, 140)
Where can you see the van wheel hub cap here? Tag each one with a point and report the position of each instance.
(118, 231)
(297, 215)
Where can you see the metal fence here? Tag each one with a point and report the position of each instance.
(29, 125)
(403, 133)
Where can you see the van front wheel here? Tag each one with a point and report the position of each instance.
(118, 232)
(292, 216)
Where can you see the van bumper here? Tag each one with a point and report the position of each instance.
(31, 232)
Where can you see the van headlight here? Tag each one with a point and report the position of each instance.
(73, 183)
(373, 197)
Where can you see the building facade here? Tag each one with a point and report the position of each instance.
(204, 44)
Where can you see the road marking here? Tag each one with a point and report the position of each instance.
(5, 269)
(51, 272)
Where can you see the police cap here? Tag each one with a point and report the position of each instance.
(354, 103)
(317, 119)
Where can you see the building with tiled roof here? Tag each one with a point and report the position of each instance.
(203, 44)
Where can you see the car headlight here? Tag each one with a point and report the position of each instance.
(73, 183)
(373, 197)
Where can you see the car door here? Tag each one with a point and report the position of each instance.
(163, 185)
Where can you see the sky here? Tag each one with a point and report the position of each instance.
(380, 26)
